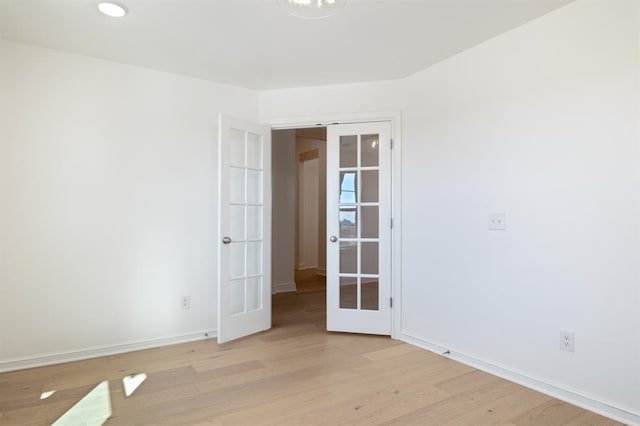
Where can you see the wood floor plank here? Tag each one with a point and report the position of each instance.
(587, 418)
(387, 353)
(296, 373)
(468, 381)
(457, 405)
(502, 410)
(369, 400)
(554, 412)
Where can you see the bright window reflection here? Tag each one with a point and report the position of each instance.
(348, 227)
(348, 188)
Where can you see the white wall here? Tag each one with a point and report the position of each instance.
(284, 211)
(541, 123)
(345, 98)
(110, 208)
(4, 178)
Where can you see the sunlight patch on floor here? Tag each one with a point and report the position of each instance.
(93, 409)
(131, 383)
(47, 394)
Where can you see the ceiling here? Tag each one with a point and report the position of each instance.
(255, 44)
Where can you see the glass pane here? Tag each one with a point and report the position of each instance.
(254, 222)
(254, 258)
(236, 143)
(254, 293)
(254, 151)
(369, 294)
(236, 225)
(369, 221)
(237, 259)
(254, 187)
(348, 257)
(369, 151)
(237, 296)
(236, 177)
(348, 224)
(369, 186)
(348, 187)
(348, 151)
(369, 261)
(348, 293)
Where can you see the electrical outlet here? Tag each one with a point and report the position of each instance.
(567, 341)
(497, 221)
(186, 302)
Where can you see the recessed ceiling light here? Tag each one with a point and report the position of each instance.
(115, 10)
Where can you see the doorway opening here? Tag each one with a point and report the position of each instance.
(343, 221)
(361, 251)
(299, 225)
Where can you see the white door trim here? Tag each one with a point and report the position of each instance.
(395, 117)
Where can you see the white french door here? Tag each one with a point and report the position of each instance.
(359, 228)
(244, 257)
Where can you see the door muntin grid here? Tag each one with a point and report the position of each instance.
(359, 205)
(246, 210)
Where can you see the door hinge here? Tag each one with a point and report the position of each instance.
(391, 144)
(391, 223)
(391, 302)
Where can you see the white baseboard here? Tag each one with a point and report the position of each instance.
(59, 358)
(284, 288)
(591, 403)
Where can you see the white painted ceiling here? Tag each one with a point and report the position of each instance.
(255, 44)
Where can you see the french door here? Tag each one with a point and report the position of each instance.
(244, 258)
(359, 228)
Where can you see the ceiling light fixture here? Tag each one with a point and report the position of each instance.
(312, 9)
(115, 10)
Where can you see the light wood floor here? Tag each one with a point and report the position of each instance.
(296, 373)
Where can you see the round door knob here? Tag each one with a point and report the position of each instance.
(226, 240)
(333, 238)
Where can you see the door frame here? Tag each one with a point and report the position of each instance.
(395, 118)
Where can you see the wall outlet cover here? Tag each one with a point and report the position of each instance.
(186, 302)
(567, 340)
(497, 221)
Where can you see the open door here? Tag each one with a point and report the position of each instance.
(244, 214)
(359, 228)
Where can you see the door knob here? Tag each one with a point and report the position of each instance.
(226, 240)
(333, 238)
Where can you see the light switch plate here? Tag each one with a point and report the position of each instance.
(497, 221)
